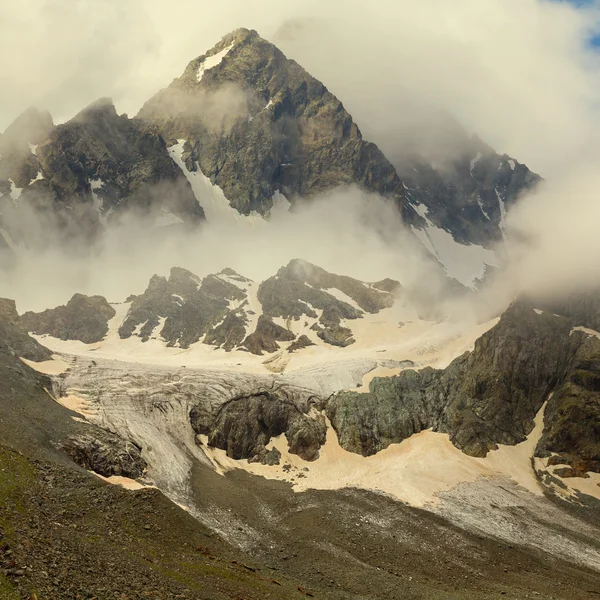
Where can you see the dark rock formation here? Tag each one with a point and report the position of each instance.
(298, 290)
(582, 307)
(245, 425)
(572, 418)
(107, 456)
(303, 341)
(14, 338)
(190, 307)
(302, 139)
(84, 318)
(126, 159)
(487, 397)
(62, 183)
(266, 336)
(465, 185)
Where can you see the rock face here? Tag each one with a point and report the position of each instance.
(182, 309)
(84, 318)
(74, 177)
(572, 419)
(244, 426)
(300, 305)
(583, 308)
(258, 126)
(462, 184)
(107, 457)
(14, 338)
(487, 397)
(299, 291)
(266, 336)
(244, 93)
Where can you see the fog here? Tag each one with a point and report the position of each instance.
(519, 73)
(347, 231)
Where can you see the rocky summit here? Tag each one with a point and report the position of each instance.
(303, 141)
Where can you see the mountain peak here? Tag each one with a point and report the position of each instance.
(101, 108)
(245, 93)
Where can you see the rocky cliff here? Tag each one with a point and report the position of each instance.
(489, 396)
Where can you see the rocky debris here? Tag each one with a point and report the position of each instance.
(84, 318)
(189, 308)
(107, 542)
(486, 397)
(245, 425)
(302, 139)
(14, 339)
(107, 456)
(266, 336)
(271, 457)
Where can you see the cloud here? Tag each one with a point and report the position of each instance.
(346, 231)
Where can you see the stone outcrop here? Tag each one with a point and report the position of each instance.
(572, 419)
(108, 455)
(83, 318)
(245, 425)
(299, 290)
(484, 398)
(64, 183)
(189, 308)
(465, 186)
(14, 337)
(266, 336)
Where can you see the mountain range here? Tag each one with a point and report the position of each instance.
(302, 434)
(244, 127)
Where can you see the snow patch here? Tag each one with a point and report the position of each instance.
(15, 192)
(474, 162)
(33, 148)
(502, 207)
(482, 209)
(38, 177)
(466, 264)
(210, 62)
(166, 218)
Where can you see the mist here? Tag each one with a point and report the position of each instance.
(521, 74)
(347, 231)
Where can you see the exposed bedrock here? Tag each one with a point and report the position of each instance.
(489, 396)
(245, 425)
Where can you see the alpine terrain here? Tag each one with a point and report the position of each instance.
(288, 432)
